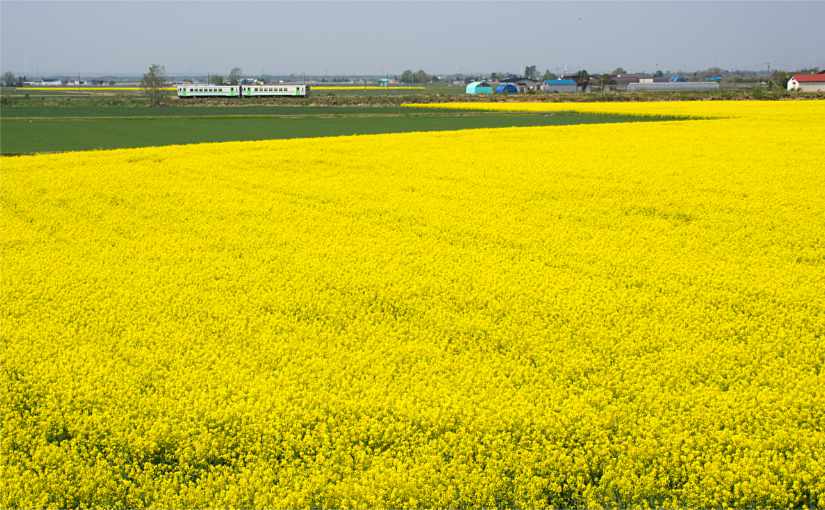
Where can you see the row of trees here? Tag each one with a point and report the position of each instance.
(10, 80)
(234, 77)
(415, 77)
(532, 73)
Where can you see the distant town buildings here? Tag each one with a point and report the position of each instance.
(676, 86)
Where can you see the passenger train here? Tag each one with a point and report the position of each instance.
(201, 90)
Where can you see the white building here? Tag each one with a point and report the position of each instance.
(807, 82)
(673, 86)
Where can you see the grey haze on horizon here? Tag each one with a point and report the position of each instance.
(41, 38)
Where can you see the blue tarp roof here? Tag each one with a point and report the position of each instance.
(560, 82)
(507, 87)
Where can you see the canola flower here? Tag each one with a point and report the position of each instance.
(547, 317)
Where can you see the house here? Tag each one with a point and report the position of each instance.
(46, 83)
(527, 85)
(561, 85)
(807, 82)
(478, 87)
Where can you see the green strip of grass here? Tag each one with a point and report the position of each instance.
(113, 129)
(193, 110)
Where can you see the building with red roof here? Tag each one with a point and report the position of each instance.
(807, 82)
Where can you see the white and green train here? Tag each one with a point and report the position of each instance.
(196, 90)
(273, 90)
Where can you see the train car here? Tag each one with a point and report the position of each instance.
(274, 90)
(201, 90)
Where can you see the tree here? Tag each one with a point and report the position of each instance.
(531, 73)
(407, 77)
(216, 79)
(618, 71)
(9, 80)
(549, 76)
(235, 76)
(152, 84)
(606, 79)
(780, 79)
(583, 79)
(421, 77)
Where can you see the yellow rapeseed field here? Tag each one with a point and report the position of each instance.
(566, 316)
(367, 87)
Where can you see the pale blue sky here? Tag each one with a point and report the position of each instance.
(378, 37)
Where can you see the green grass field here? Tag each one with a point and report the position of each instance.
(33, 129)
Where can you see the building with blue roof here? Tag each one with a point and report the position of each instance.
(507, 88)
(560, 85)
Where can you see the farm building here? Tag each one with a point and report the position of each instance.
(528, 85)
(621, 81)
(674, 86)
(507, 88)
(807, 82)
(479, 87)
(564, 85)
